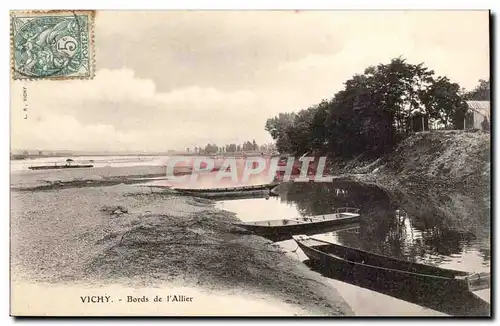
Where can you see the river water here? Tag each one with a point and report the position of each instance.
(450, 229)
(412, 231)
(96, 161)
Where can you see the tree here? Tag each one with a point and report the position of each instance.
(398, 87)
(444, 103)
(211, 149)
(300, 133)
(371, 113)
(277, 127)
(480, 93)
(254, 146)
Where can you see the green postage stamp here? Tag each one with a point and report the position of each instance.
(55, 44)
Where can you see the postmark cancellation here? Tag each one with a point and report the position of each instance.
(55, 44)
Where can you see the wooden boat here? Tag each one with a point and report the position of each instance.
(359, 266)
(230, 194)
(66, 166)
(227, 191)
(344, 215)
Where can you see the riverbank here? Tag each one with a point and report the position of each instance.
(443, 158)
(443, 168)
(94, 231)
(102, 236)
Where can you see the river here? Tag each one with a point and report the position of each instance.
(96, 161)
(390, 228)
(450, 229)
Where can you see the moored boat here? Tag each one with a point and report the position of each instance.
(344, 215)
(68, 165)
(228, 191)
(359, 266)
(65, 166)
(231, 194)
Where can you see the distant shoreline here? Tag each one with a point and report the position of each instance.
(16, 157)
(23, 157)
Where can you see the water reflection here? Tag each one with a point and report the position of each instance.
(446, 300)
(387, 228)
(393, 226)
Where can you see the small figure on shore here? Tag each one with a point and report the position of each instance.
(485, 124)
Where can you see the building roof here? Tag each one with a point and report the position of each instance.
(481, 107)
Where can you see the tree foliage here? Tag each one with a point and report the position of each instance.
(444, 103)
(278, 128)
(480, 93)
(372, 112)
(247, 146)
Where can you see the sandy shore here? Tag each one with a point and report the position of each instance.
(121, 238)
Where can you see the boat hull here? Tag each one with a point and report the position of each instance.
(228, 189)
(297, 228)
(56, 167)
(229, 194)
(385, 279)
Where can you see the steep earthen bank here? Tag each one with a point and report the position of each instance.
(441, 171)
(439, 157)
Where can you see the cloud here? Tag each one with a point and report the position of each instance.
(120, 110)
(173, 79)
(452, 43)
(65, 132)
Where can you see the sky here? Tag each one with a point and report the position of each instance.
(176, 79)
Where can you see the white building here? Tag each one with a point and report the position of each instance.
(478, 111)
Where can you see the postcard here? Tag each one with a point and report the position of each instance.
(245, 163)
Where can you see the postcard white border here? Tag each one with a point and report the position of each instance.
(192, 4)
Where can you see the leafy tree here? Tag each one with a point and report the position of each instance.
(254, 146)
(371, 113)
(480, 93)
(445, 103)
(277, 127)
(211, 149)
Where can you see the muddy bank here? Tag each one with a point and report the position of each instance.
(123, 234)
(439, 157)
(442, 159)
(442, 173)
